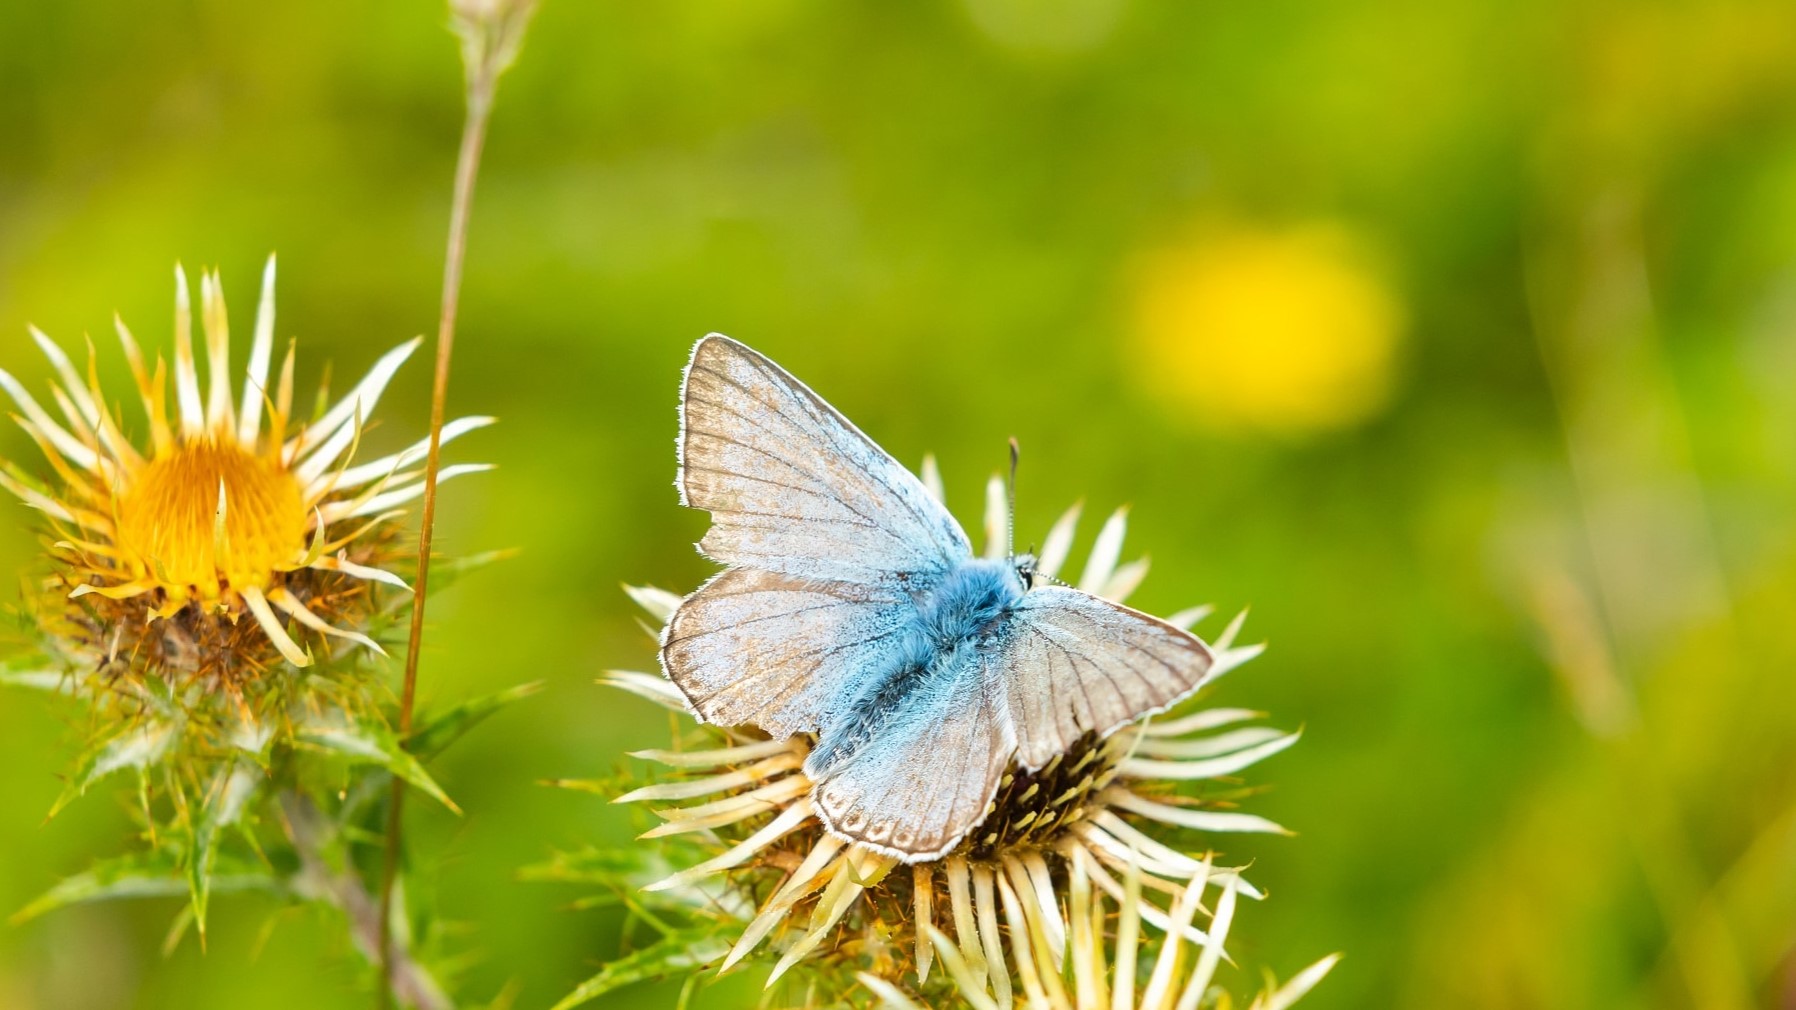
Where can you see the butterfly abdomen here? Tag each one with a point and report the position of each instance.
(936, 650)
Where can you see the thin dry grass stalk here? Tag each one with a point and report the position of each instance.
(491, 33)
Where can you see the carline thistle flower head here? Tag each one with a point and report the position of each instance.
(1017, 911)
(240, 535)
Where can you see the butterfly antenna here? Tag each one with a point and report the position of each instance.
(1010, 492)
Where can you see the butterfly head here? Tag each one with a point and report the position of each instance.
(1024, 564)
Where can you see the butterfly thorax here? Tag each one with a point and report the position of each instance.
(968, 603)
(931, 654)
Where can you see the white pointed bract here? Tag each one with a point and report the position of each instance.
(234, 509)
(998, 920)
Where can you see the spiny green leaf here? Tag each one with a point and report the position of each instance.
(367, 743)
(251, 737)
(223, 807)
(352, 836)
(37, 673)
(440, 731)
(144, 875)
(589, 865)
(444, 571)
(593, 901)
(676, 952)
(177, 930)
(602, 787)
(136, 746)
(362, 792)
(155, 692)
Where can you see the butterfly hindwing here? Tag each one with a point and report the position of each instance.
(1071, 663)
(774, 651)
(793, 487)
(925, 779)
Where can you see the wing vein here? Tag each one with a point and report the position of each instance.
(823, 413)
(744, 622)
(817, 479)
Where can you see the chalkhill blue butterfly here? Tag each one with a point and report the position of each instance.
(852, 608)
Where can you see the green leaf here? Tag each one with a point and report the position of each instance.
(590, 865)
(144, 875)
(598, 787)
(36, 673)
(38, 680)
(367, 743)
(136, 746)
(440, 731)
(445, 571)
(361, 794)
(224, 806)
(676, 952)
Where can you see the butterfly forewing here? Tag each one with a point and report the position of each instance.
(1071, 663)
(826, 534)
(793, 487)
(774, 651)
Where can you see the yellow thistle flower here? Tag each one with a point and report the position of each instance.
(1025, 883)
(233, 507)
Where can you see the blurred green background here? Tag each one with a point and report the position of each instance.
(1458, 339)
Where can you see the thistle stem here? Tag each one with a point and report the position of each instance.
(310, 831)
(481, 81)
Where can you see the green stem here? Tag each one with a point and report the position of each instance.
(317, 880)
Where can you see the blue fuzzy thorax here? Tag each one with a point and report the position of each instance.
(937, 646)
(960, 609)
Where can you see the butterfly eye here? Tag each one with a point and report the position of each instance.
(1025, 570)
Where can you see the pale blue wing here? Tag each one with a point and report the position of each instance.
(779, 652)
(793, 487)
(1070, 663)
(924, 776)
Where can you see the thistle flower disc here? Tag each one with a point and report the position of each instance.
(233, 508)
(171, 524)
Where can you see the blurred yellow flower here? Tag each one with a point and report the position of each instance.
(1290, 331)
